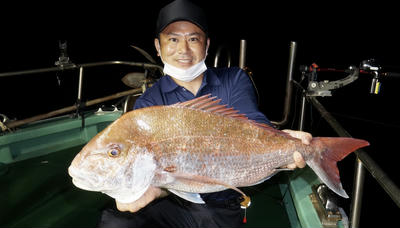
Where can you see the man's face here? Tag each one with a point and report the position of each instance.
(182, 44)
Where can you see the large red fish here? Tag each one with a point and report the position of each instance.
(196, 147)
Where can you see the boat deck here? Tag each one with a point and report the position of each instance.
(39, 193)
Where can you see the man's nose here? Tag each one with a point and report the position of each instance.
(183, 47)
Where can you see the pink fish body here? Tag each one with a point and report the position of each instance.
(196, 147)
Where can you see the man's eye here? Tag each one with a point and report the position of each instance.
(173, 40)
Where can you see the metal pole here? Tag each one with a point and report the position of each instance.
(242, 54)
(72, 108)
(218, 55)
(289, 85)
(356, 203)
(73, 66)
(80, 84)
(302, 111)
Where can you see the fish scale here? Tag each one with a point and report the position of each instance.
(224, 158)
(196, 147)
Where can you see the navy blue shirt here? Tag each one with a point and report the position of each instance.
(232, 85)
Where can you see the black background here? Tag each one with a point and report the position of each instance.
(332, 35)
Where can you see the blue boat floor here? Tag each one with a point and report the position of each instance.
(39, 193)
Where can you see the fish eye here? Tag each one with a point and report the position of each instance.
(113, 152)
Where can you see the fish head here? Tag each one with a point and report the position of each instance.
(114, 164)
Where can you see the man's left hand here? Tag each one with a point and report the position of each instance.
(305, 138)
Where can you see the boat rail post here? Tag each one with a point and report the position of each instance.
(80, 83)
(356, 202)
(289, 87)
(218, 55)
(302, 111)
(242, 54)
(79, 103)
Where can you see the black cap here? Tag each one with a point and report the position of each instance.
(181, 10)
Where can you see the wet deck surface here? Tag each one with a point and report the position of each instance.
(39, 193)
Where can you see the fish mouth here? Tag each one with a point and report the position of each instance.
(82, 184)
(85, 185)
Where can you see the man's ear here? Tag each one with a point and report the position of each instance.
(157, 45)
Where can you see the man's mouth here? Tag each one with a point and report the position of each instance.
(184, 60)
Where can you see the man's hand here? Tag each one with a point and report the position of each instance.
(151, 194)
(305, 138)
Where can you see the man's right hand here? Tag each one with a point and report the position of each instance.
(151, 194)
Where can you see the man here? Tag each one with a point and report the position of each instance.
(182, 45)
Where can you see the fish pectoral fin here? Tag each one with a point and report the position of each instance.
(189, 196)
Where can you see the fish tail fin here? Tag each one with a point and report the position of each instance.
(332, 150)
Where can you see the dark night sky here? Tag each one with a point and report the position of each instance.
(332, 35)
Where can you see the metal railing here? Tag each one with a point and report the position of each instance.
(363, 161)
(81, 67)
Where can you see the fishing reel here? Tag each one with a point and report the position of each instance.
(372, 67)
(63, 59)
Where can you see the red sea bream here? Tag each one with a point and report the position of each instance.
(195, 147)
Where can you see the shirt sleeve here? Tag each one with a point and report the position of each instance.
(243, 97)
(142, 102)
(151, 97)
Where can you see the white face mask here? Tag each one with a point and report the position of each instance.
(185, 75)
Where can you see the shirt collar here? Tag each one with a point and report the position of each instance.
(210, 78)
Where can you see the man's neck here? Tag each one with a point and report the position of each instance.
(193, 86)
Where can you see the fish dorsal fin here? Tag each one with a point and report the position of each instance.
(209, 104)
